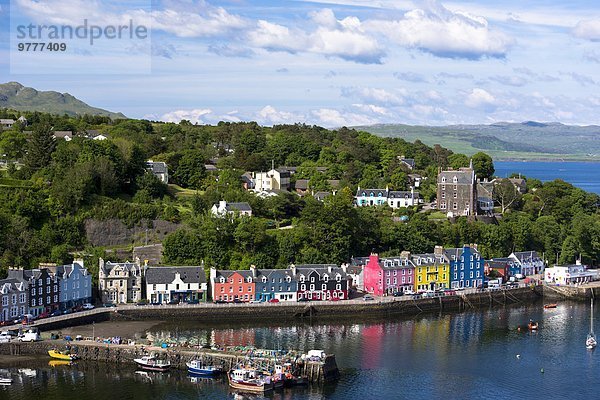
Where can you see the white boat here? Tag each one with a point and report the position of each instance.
(590, 342)
(249, 380)
(197, 367)
(151, 363)
(5, 380)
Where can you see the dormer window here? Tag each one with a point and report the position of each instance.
(222, 280)
(338, 277)
(264, 279)
(326, 278)
(443, 179)
(249, 280)
(302, 278)
(454, 179)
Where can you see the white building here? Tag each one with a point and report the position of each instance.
(6, 123)
(175, 284)
(158, 169)
(562, 275)
(394, 199)
(224, 208)
(275, 179)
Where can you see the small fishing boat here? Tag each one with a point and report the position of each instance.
(590, 341)
(532, 326)
(249, 380)
(551, 305)
(197, 367)
(62, 355)
(151, 363)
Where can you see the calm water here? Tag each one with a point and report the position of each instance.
(459, 356)
(581, 174)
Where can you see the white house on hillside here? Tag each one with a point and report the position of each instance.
(225, 208)
(275, 179)
(158, 169)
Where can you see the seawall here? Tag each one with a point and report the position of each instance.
(577, 293)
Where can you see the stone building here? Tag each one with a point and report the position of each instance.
(457, 192)
(120, 283)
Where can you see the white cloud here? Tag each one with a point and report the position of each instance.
(209, 21)
(372, 95)
(345, 38)
(439, 31)
(269, 115)
(511, 80)
(194, 116)
(371, 108)
(480, 98)
(588, 29)
(332, 118)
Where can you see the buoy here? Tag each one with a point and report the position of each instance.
(542, 370)
(518, 356)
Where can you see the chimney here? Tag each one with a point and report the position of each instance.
(330, 269)
(405, 254)
(253, 270)
(222, 204)
(293, 268)
(438, 250)
(212, 273)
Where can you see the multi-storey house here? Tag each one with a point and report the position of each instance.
(379, 197)
(321, 281)
(120, 283)
(389, 275)
(75, 283)
(232, 286)
(14, 299)
(432, 271)
(466, 267)
(273, 180)
(175, 284)
(529, 261)
(43, 288)
(279, 284)
(457, 192)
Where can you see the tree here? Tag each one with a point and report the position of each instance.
(457, 160)
(483, 165)
(190, 170)
(12, 144)
(40, 148)
(506, 194)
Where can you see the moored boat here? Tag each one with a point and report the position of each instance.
(551, 305)
(62, 355)
(59, 363)
(590, 341)
(249, 380)
(197, 367)
(5, 380)
(532, 326)
(151, 363)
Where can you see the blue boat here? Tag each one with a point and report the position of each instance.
(197, 367)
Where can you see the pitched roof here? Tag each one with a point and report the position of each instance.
(464, 176)
(403, 194)
(371, 192)
(227, 273)
(167, 274)
(244, 206)
(527, 255)
(321, 195)
(7, 121)
(408, 161)
(302, 184)
(62, 134)
(157, 167)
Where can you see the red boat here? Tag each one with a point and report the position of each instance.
(551, 305)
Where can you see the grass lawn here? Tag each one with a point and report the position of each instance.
(181, 193)
(437, 215)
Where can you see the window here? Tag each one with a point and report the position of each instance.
(455, 206)
(302, 287)
(177, 286)
(14, 299)
(471, 276)
(33, 291)
(454, 179)
(312, 278)
(240, 289)
(444, 187)
(32, 302)
(338, 286)
(395, 281)
(5, 300)
(443, 195)
(48, 300)
(455, 276)
(312, 287)
(455, 195)
(326, 278)
(443, 179)
(324, 287)
(419, 278)
(56, 297)
(39, 282)
(22, 298)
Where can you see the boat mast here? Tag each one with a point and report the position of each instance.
(592, 317)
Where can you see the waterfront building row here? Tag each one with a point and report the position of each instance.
(44, 290)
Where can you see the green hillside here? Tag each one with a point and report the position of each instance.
(521, 141)
(15, 96)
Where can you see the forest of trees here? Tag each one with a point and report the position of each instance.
(56, 185)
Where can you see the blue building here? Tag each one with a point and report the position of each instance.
(75, 284)
(466, 267)
(277, 284)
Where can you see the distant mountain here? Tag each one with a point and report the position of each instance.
(18, 97)
(519, 141)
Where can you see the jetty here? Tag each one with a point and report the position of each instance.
(317, 371)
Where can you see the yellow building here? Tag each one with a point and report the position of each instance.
(431, 271)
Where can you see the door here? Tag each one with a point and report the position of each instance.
(122, 298)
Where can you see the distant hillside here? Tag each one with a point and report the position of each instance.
(18, 97)
(527, 140)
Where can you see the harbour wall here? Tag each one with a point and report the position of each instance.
(576, 293)
(316, 371)
(352, 310)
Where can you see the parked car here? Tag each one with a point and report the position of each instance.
(409, 292)
(335, 299)
(5, 337)
(109, 305)
(173, 302)
(220, 302)
(44, 315)
(274, 301)
(193, 301)
(88, 306)
(56, 313)
(30, 335)
(368, 297)
(237, 301)
(303, 300)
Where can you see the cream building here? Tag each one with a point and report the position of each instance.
(120, 283)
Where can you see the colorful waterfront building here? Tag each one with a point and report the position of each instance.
(321, 281)
(466, 267)
(278, 284)
(529, 262)
(75, 283)
(230, 286)
(389, 275)
(432, 270)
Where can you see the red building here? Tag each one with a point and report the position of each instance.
(232, 286)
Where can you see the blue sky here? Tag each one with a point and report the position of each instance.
(332, 63)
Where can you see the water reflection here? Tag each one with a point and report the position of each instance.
(452, 356)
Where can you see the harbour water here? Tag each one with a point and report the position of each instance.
(584, 175)
(471, 355)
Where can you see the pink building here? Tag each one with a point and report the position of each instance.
(389, 275)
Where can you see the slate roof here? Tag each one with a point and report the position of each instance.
(374, 192)
(302, 184)
(321, 195)
(465, 176)
(247, 177)
(395, 263)
(12, 284)
(238, 207)
(157, 167)
(410, 162)
(210, 167)
(429, 259)
(62, 134)
(334, 183)
(109, 266)
(321, 269)
(359, 261)
(403, 195)
(227, 273)
(161, 275)
(527, 255)
(7, 121)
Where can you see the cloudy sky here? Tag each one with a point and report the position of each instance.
(330, 62)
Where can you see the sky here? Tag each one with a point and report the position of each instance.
(331, 62)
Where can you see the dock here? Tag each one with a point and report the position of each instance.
(316, 371)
